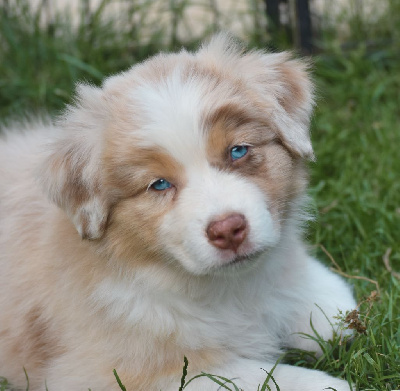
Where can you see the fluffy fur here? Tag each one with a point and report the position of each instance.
(99, 270)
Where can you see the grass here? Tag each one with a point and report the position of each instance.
(356, 134)
(357, 192)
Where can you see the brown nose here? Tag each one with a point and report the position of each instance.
(228, 233)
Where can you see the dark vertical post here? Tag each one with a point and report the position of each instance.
(304, 26)
(5, 7)
(273, 12)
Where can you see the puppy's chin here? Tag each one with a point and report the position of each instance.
(226, 262)
(242, 262)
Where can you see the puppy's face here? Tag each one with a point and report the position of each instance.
(189, 159)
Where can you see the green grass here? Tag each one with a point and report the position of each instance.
(356, 187)
(355, 182)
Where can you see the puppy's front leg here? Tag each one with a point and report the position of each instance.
(321, 294)
(249, 374)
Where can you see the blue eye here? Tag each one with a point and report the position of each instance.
(161, 184)
(239, 151)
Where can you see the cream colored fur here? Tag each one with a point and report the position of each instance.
(100, 271)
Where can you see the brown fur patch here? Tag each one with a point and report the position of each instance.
(135, 216)
(70, 190)
(282, 177)
(231, 115)
(268, 163)
(36, 346)
(39, 340)
(297, 86)
(73, 190)
(130, 169)
(232, 125)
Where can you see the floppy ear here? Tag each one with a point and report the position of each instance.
(283, 84)
(71, 173)
(289, 82)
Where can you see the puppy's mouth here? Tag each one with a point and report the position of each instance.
(245, 259)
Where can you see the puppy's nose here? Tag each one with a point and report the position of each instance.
(228, 232)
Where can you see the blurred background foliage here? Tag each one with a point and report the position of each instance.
(45, 46)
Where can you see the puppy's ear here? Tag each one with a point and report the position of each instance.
(290, 84)
(283, 84)
(71, 174)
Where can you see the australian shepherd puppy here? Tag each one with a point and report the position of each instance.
(159, 218)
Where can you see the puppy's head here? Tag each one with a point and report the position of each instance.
(194, 159)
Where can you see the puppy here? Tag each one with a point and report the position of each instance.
(159, 218)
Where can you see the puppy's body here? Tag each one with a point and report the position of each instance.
(206, 263)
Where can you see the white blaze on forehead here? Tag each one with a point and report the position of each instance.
(209, 195)
(170, 110)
